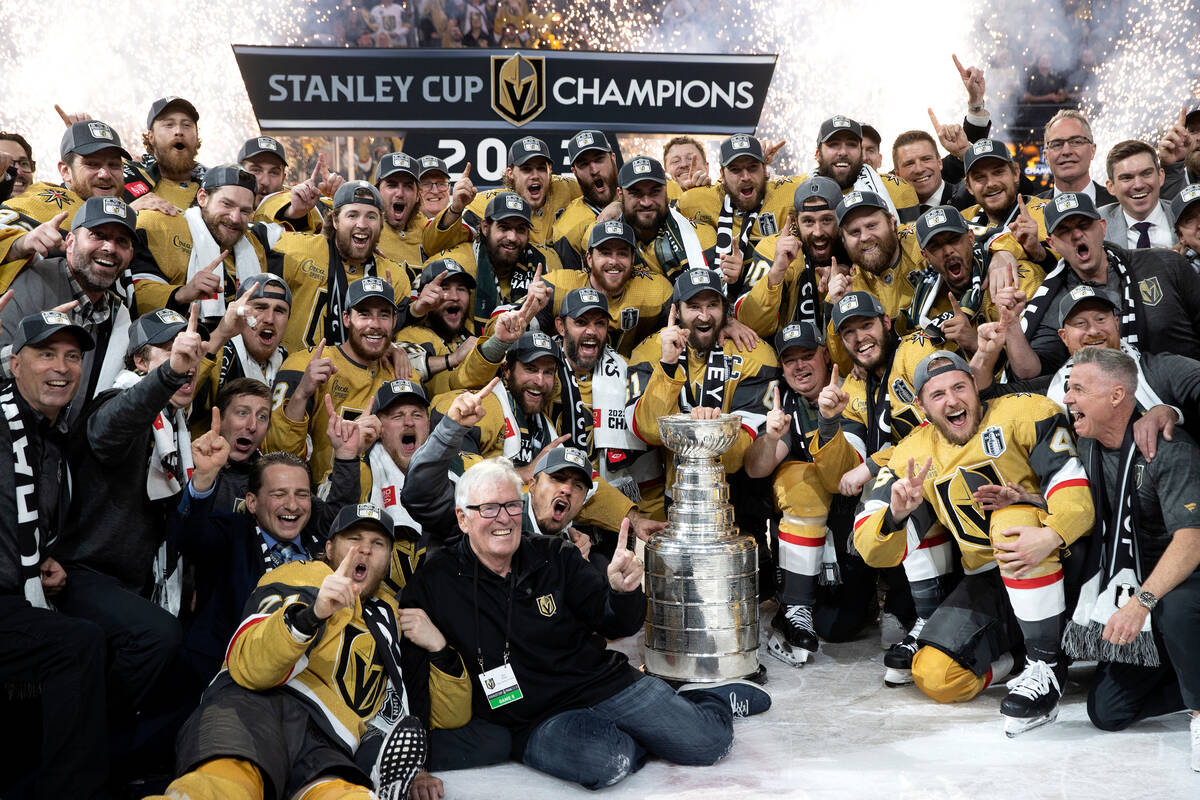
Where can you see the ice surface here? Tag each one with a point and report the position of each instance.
(834, 730)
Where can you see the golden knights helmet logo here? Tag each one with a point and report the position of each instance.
(360, 679)
(518, 87)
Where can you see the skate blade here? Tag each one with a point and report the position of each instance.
(1015, 726)
(897, 677)
(793, 656)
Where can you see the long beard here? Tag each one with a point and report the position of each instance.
(176, 162)
(884, 257)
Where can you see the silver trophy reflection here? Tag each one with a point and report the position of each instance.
(701, 574)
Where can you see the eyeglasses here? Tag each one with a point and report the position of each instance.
(1054, 145)
(492, 510)
(435, 184)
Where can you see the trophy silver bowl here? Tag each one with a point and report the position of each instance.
(701, 574)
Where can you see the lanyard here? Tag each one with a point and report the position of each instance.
(507, 615)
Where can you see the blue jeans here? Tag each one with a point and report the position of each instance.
(600, 745)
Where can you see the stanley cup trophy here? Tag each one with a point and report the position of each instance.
(701, 574)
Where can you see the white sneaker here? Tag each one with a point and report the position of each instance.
(1195, 729)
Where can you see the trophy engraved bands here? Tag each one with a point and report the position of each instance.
(701, 574)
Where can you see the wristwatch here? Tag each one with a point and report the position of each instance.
(1147, 599)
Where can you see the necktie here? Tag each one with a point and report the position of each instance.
(281, 553)
(1143, 229)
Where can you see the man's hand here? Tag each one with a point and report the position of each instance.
(71, 119)
(772, 150)
(152, 202)
(625, 569)
(642, 526)
(5, 299)
(953, 137)
(343, 434)
(188, 349)
(402, 369)
(237, 320)
(582, 542)
(832, 400)
(743, 336)
(1176, 142)
(319, 370)
(959, 329)
(430, 296)
(306, 195)
(993, 497)
(610, 212)
(731, 263)
(705, 412)
(1160, 419)
(338, 590)
(852, 482)
(1032, 546)
(53, 577)
(206, 283)
(210, 453)
(973, 82)
(1125, 624)
(698, 178)
(787, 247)
(464, 192)
(537, 296)
(841, 280)
(42, 240)
(526, 472)
(907, 492)
(1025, 231)
(420, 630)
(672, 338)
(778, 420)
(426, 787)
(467, 408)
(460, 353)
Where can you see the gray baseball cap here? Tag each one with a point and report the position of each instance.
(582, 300)
(741, 144)
(393, 163)
(265, 284)
(1068, 204)
(797, 334)
(357, 513)
(530, 147)
(260, 145)
(608, 230)
(941, 219)
(90, 136)
(39, 327)
(836, 124)
(103, 210)
(1084, 293)
(693, 282)
(817, 187)
(986, 148)
(506, 205)
(563, 458)
(641, 168)
(924, 372)
(155, 327)
(352, 192)
(856, 304)
(853, 201)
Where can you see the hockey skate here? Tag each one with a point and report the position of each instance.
(899, 658)
(793, 639)
(1032, 699)
(400, 759)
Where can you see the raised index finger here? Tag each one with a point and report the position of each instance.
(6, 298)
(485, 391)
(833, 376)
(622, 536)
(216, 262)
(345, 568)
(671, 316)
(193, 318)
(775, 395)
(961, 71)
(216, 421)
(466, 173)
(58, 219)
(62, 115)
(320, 351)
(933, 119)
(790, 222)
(1182, 116)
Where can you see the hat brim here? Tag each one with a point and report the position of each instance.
(364, 521)
(86, 342)
(178, 102)
(1075, 212)
(262, 152)
(557, 468)
(96, 147)
(527, 157)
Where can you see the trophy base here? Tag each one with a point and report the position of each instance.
(679, 668)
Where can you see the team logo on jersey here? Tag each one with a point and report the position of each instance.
(359, 678)
(992, 440)
(903, 391)
(100, 131)
(518, 87)
(546, 605)
(1152, 293)
(56, 196)
(955, 493)
(629, 318)
(767, 224)
(1190, 506)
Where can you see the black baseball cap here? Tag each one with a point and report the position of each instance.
(797, 334)
(155, 327)
(265, 284)
(856, 304)
(693, 282)
(228, 175)
(853, 201)
(563, 457)
(432, 164)
(582, 300)
(506, 205)
(394, 163)
(397, 390)
(741, 144)
(820, 188)
(923, 372)
(90, 136)
(163, 103)
(837, 124)
(530, 147)
(352, 192)
(446, 264)
(367, 288)
(1068, 204)
(940, 219)
(39, 327)
(610, 229)
(1084, 293)
(1188, 196)
(986, 148)
(358, 513)
(103, 210)
(531, 346)
(260, 145)
(584, 141)
(641, 168)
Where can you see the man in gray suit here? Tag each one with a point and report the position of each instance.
(1139, 219)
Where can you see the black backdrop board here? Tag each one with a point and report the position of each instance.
(343, 90)
(487, 151)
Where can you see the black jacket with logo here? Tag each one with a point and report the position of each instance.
(562, 611)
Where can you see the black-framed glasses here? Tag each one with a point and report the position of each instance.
(492, 510)
(1055, 145)
(435, 184)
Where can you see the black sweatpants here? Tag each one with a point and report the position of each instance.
(62, 659)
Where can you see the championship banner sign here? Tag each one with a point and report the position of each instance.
(318, 89)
